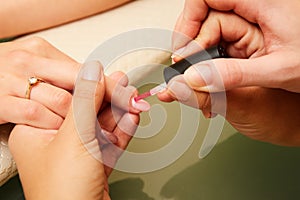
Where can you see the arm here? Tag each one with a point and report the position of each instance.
(20, 17)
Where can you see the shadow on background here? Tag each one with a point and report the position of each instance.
(128, 189)
(240, 168)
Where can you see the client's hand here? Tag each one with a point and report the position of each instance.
(69, 163)
(49, 101)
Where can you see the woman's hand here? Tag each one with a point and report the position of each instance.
(270, 115)
(49, 102)
(68, 163)
(269, 61)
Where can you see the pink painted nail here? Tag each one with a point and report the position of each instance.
(141, 105)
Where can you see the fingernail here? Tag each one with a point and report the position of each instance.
(111, 137)
(199, 77)
(213, 115)
(173, 61)
(140, 105)
(181, 91)
(178, 52)
(210, 115)
(92, 71)
(162, 90)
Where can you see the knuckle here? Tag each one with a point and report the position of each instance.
(233, 74)
(19, 57)
(31, 111)
(87, 93)
(62, 99)
(36, 43)
(57, 123)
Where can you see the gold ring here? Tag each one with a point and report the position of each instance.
(32, 81)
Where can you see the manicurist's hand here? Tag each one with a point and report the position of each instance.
(270, 115)
(269, 61)
(71, 163)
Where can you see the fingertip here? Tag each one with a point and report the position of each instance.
(175, 59)
(194, 78)
(120, 77)
(180, 90)
(165, 96)
(92, 71)
(140, 105)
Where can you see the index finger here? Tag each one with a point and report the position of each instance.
(196, 11)
(37, 46)
(189, 22)
(122, 97)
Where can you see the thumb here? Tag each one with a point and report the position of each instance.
(87, 99)
(225, 74)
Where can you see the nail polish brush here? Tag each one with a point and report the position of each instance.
(179, 67)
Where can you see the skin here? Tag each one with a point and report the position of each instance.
(264, 114)
(49, 101)
(16, 15)
(274, 61)
(46, 127)
(75, 173)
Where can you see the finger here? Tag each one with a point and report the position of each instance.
(107, 137)
(109, 118)
(55, 99)
(59, 73)
(209, 103)
(180, 91)
(225, 74)
(120, 78)
(189, 22)
(124, 132)
(122, 97)
(177, 90)
(195, 12)
(23, 111)
(126, 128)
(165, 96)
(257, 12)
(87, 99)
(242, 38)
(246, 9)
(37, 46)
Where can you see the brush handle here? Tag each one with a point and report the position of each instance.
(179, 68)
